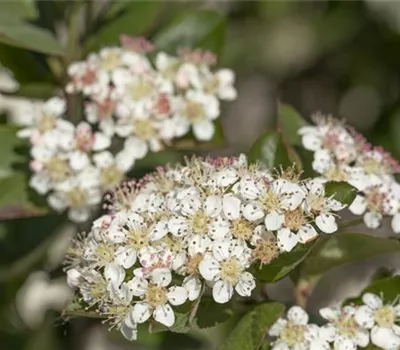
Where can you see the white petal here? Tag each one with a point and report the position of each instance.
(253, 212)
(204, 130)
(199, 244)
(306, 233)
(372, 219)
(231, 206)
(161, 276)
(125, 256)
(177, 295)
(396, 223)
(358, 206)
(372, 300)
(222, 250)
(311, 142)
(329, 314)
(164, 315)
(78, 160)
(138, 286)
(274, 220)
(222, 291)
(245, 284)
(385, 338)
(362, 338)
(114, 274)
(141, 312)
(101, 141)
(326, 223)
(209, 269)
(192, 285)
(212, 206)
(277, 327)
(178, 226)
(365, 316)
(297, 315)
(286, 239)
(129, 330)
(158, 231)
(136, 147)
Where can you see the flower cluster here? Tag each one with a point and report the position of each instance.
(131, 106)
(192, 229)
(348, 328)
(341, 154)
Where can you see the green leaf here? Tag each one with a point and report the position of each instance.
(27, 36)
(15, 199)
(344, 248)
(250, 332)
(209, 313)
(270, 150)
(133, 18)
(75, 308)
(33, 90)
(197, 29)
(181, 324)
(290, 121)
(21, 9)
(285, 263)
(341, 191)
(8, 155)
(388, 288)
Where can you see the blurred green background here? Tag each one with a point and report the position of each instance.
(337, 57)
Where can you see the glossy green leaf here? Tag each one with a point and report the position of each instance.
(289, 122)
(28, 36)
(341, 191)
(250, 332)
(285, 263)
(270, 150)
(344, 248)
(198, 29)
(388, 288)
(209, 313)
(133, 18)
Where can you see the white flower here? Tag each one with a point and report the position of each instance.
(345, 331)
(322, 207)
(295, 333)
(157, 298)
(226, 267)
(200, 110)
(381, 319)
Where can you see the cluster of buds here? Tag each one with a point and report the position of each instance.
(128, 100)
(348, 328)
(191, 229)
(342, 154)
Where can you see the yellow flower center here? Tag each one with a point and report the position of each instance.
(295, 219)
(195, 111)
(231, 270)
(58, 169)
(46, 123)
(336, 174)
(145, 129)
(265, 251)
(200, 222)
(347, 326)
(105, 253)
(271, 201)
(76, 198)
(242, 229)
(110, 176)
(111, 61)
(140, 89)
(156, 296)
(193, 264)
(292, 334)
(385, 316)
